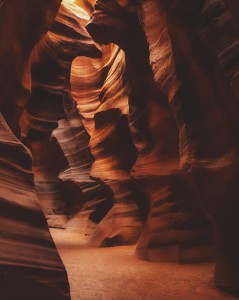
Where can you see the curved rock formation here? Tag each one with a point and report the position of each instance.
(30, 266)
(31, 20)
(213, 159)
(101, 93)
(29, 263)
(204, 105)
(50, 68)
(134, 140)
(176, 229)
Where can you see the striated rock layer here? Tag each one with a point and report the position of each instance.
(30, 266)
(29, 263)
(176, 229)
(50, 68)
(200, 44)
(100, 91)
(132, 141)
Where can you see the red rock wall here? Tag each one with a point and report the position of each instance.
(143, 129)
(202, 40)
(30, 264)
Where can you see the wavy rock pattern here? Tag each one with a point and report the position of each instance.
(175, 222)
(100, 91)
(17, 48)
(50, 66)
(30, 266)
(92, 199)
(28, 254)
(219, 155)
(204, 47)
(135, 140)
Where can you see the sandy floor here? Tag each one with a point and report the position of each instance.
(115, 274)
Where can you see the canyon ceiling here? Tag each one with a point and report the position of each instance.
(119, 120)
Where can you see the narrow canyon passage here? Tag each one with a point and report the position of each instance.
(114, 273)
(119, 140)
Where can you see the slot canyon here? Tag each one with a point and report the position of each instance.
(119, 170)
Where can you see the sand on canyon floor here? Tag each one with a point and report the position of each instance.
(115, 274)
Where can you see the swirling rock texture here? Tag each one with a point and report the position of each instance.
(197, 76)
(176, 229)
(133, 141)
(18, 39)
(103, 106)
(204, 42)
(50, 65)
(29, 263)
(30, 266)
